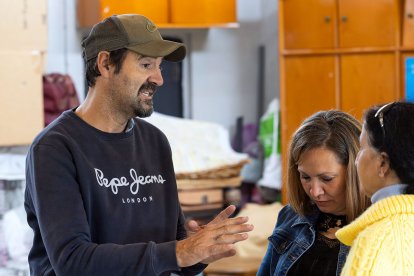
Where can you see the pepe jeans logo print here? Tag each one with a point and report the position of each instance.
(137, 180)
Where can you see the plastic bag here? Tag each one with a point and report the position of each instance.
(269, 137)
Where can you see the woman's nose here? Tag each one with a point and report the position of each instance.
(316, 190)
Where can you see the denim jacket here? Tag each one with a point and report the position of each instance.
(292, 236)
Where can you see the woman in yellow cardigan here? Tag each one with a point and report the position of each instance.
(382, 238)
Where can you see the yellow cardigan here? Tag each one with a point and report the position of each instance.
(382, 239)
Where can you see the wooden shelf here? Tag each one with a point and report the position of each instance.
(407, 49)
(300, 52)
(194, 184)
(231, 25)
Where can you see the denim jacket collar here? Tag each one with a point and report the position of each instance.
(308, 219)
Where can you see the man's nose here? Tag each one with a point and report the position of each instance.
(156, 77)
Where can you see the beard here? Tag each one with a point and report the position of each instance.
(145, 107)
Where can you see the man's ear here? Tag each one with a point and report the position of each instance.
(384, 168)
(103, 63)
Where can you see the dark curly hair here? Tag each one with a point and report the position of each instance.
(396, 138)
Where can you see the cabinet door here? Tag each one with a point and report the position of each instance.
(156, 10)
(367, 23)
(203, 11)
(367, 80)
(408, 19)
(309, 24)
(309, 87)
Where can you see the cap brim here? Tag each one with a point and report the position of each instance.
(170, 50)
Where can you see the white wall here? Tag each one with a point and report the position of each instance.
(64, 50)
(220, 72)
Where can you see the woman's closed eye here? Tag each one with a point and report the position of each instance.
(326, 179)
(304, 177)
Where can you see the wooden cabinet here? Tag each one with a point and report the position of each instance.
(367, 23)
(408, 24)
(156, 10)
(203, 11)
(164, 13)
(310, 25)
(307, 79)
(366, 80)
(339, 23)
(342, 54)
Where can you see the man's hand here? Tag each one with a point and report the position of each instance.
(192, 225)
(214, 240)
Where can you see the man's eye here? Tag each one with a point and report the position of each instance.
(147, 66)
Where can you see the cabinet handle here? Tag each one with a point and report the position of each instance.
(410, 15)
(327, 19)
(344, 18)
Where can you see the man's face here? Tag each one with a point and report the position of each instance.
(133, 88)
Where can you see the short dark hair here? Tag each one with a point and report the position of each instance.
(336, 131)
(116, 58)
(397, 140)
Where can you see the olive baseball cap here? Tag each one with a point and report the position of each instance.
(134, 32)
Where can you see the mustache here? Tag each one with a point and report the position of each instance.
(148, 86)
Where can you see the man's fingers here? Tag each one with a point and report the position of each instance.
(229, 221)
(234, 238)
(219, 256)
(223, 215)
(233, 229)
(219, 249)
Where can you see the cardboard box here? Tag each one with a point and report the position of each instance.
(23, 25)
(21, 97)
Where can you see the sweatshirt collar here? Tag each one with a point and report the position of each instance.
(396, 189)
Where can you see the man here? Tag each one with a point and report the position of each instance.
(101, 194)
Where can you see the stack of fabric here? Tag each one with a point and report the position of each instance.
(204, 161)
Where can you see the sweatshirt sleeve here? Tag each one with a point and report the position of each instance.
(56, 213)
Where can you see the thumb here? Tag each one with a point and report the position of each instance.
(192, 226)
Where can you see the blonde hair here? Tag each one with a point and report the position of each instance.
(336, 131)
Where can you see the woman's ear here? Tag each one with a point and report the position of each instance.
(384, 168)
(103, 63)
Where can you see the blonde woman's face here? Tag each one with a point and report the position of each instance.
(324, 180)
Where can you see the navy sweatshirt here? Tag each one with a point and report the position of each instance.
(102, 203)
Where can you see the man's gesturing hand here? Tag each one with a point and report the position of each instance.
(214, 240)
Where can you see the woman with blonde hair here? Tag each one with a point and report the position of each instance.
(324, 195)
